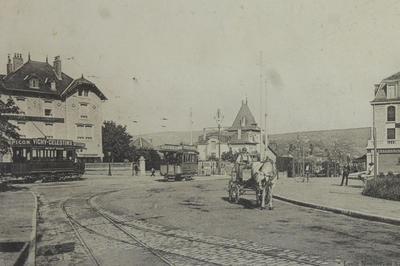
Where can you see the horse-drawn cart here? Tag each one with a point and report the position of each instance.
(259, 177)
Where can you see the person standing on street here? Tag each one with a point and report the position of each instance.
(153, 171)
(345, 175)
(307, 172)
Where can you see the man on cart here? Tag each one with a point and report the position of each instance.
(243, 161)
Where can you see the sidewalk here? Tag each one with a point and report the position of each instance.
(326, 194)
(16, 209)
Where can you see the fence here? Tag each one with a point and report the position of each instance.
(102, 168)
(206, 168)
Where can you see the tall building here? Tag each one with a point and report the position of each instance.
(53, 105)
(386, 115)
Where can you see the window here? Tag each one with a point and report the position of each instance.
(34, 83)
(84, 108)
(391, 91)
(83, 92)
(80, 131)
(53, 85)
(47, 112)
(84, 132)
(243, 121)
(391, 133)
(391, 113)
(88, 132)
(21, 123)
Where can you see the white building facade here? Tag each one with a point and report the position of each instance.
(386, 115)
(53, 105)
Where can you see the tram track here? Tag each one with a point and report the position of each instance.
(75, 225)
(134, 230)
(191, 239)
(87, 249)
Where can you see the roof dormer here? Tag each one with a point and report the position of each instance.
(34, 83)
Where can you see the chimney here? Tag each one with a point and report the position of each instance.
(17, 61)
(9, 65)
(239, 133)
(204, 134)
(57, 66)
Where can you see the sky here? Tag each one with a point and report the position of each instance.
(317, 60)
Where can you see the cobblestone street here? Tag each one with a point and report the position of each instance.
(141, 221)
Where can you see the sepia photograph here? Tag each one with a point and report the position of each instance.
(200, 132)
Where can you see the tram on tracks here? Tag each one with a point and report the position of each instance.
(42, 159)
(178, 162)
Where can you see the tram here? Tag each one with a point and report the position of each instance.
(42, 159)
(178, 162)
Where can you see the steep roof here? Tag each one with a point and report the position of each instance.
(244, 118)
(44, 72)
(393, 77)
(77, 83)
(141, 143)
(17, 82)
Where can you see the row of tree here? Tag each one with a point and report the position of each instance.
(117, 147)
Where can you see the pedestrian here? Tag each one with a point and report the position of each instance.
(153, 171)
(136, 169)
(307, 173)
(345, 174)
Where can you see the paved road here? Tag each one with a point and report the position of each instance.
(191, 223)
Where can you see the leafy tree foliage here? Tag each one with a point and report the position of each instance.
(116, 140)
(7, 130)
(153, 159)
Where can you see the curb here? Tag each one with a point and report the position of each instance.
(31, 261)
(355, 214)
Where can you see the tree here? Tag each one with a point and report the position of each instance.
(153, 159)
(7, 130)
(228, 156)
(117, 141)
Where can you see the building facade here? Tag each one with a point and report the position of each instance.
(386, 116)
(53, 105)
(244, 133)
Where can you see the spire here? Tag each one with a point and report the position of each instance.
(47, 59)
(29, 56)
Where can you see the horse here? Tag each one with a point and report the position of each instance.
(264, 175)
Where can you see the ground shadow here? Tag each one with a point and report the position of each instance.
(246, 203)
(8, 187)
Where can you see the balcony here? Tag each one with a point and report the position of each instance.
(382, 144)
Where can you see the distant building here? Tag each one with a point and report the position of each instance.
(142, 143)
(244, 133)
(53, 105)
(386, 106)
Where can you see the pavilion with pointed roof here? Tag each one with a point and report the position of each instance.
(243, 133)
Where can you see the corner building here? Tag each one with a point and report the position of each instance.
(386, 115)
(53, 105)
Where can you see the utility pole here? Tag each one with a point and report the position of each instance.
(261, 107)
(218, 118)
(266, 121)
(191, 128)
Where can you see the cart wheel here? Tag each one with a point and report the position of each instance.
(230, 192)
(258, 197)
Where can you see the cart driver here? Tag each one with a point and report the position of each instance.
(243, 161)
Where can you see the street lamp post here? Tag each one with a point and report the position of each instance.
(218, 118)
(109, 163)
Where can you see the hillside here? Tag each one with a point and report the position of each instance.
(355, 138)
